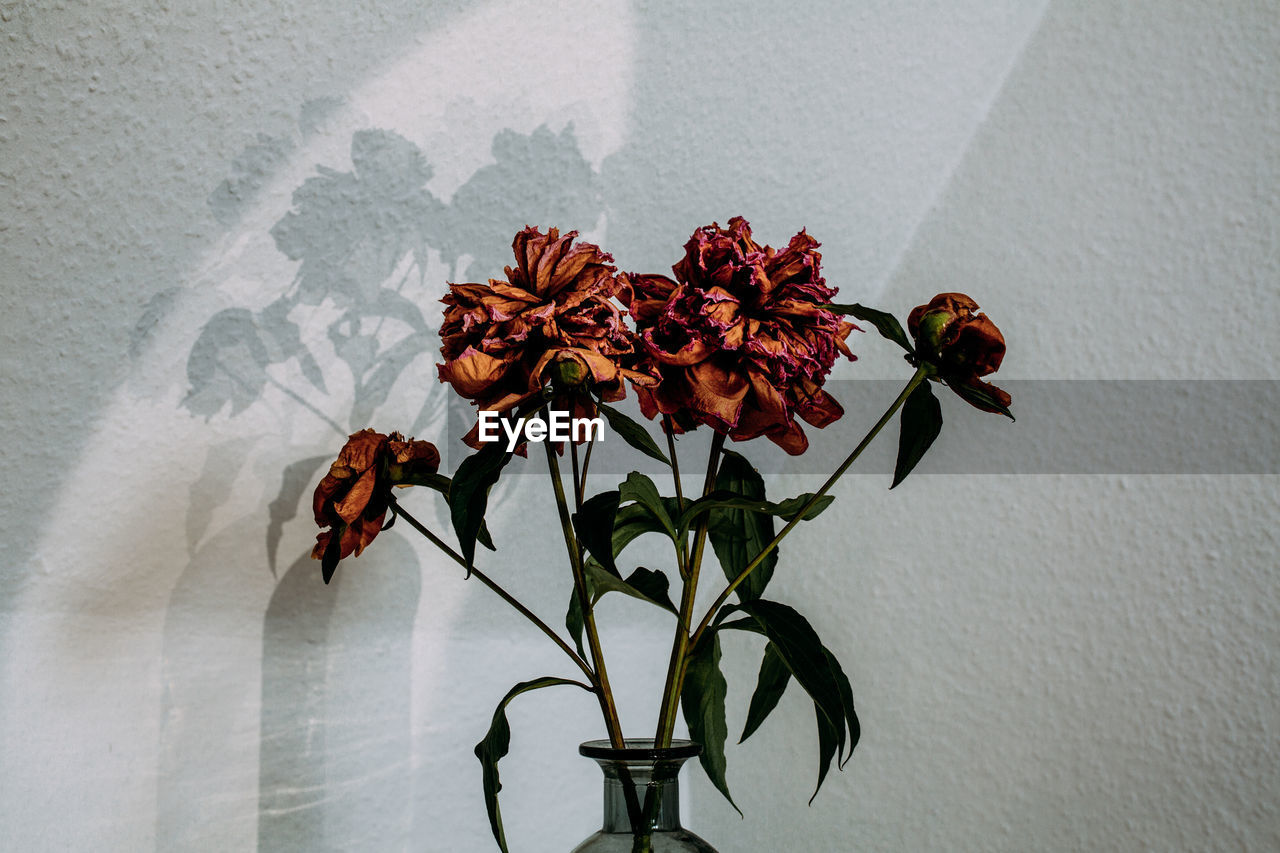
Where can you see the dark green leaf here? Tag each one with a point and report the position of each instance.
(921, 423)
(633, 433)
(846, 699)
(469, 494)
(639, 488)
(736, 534)
(441, 484)
(702, 700)
(631, 521)
(774, 677)
(574, 620)
(886, 324)
(814, 669)
(594, 524)
(643, 584)
(333, 552)
(980, 396)
(786, 510)
(497, 743)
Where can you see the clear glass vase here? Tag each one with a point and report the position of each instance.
(642, 799)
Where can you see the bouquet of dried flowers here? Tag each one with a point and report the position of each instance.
(740, 340)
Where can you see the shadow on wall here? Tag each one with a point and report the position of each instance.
(358, 237)
(335, 740)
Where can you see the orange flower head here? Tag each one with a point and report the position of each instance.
(741, 338)
(961, 344)
(352, 499)
(551, 320)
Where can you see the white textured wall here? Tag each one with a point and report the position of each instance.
(1072, 662)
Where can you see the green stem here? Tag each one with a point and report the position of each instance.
(493, 585)
(578, 486)
(682, 552)
(920, 375)
(603, 691)
(680, 645)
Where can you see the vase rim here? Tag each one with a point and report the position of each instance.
(639, 749)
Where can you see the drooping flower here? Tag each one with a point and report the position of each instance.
(552, 319)
(352, 499)
(962, 345)
(740, 337)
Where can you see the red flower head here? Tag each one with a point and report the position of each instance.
(740, 337)
(552, 319)
(352, 499)
(962, 345)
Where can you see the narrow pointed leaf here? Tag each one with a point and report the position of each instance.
(633, 433)
(886, 324)
(639, 488)
(644, 584)
(469, 494)
(594, 525)
(441, 484)
(846, 700)
(702, 701)
(828, 738)
(980, 396)
(736, 534)
(496, 744)
(772, 683)
(632, 521)
(921, 423)
(786, 510)
(812, 665)
(575, 621)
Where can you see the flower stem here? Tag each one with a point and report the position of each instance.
(680, 645)
(493, 585)
(603, 691)
(681, 547)
(919, 376)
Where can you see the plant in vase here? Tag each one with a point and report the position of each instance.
(740, 340)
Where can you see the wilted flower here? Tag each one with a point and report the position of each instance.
(740, 337)
(352, 499)
(553, 319)
(961, 345)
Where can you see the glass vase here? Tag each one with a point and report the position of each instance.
(642, 799)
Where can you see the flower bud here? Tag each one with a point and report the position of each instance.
(961, 345)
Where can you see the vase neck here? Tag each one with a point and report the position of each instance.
(647, 790)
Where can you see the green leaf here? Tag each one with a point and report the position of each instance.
(846, 699)
(736, 534)
(497, 743)
(976, 394)
(786, 510)
(633, 433)
(441, 484)
(575, 621)
(643, 584)
(702, 700)
(772, 683)
(814, 669)
(469, 494)
(631, 521)
(886, 324)
(594, 524)
(333, 552)
(639, 488)
(921, 423)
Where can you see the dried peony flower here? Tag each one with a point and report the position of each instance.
(960, 344)
(740, 338)
(552, 320)
(352, 499)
